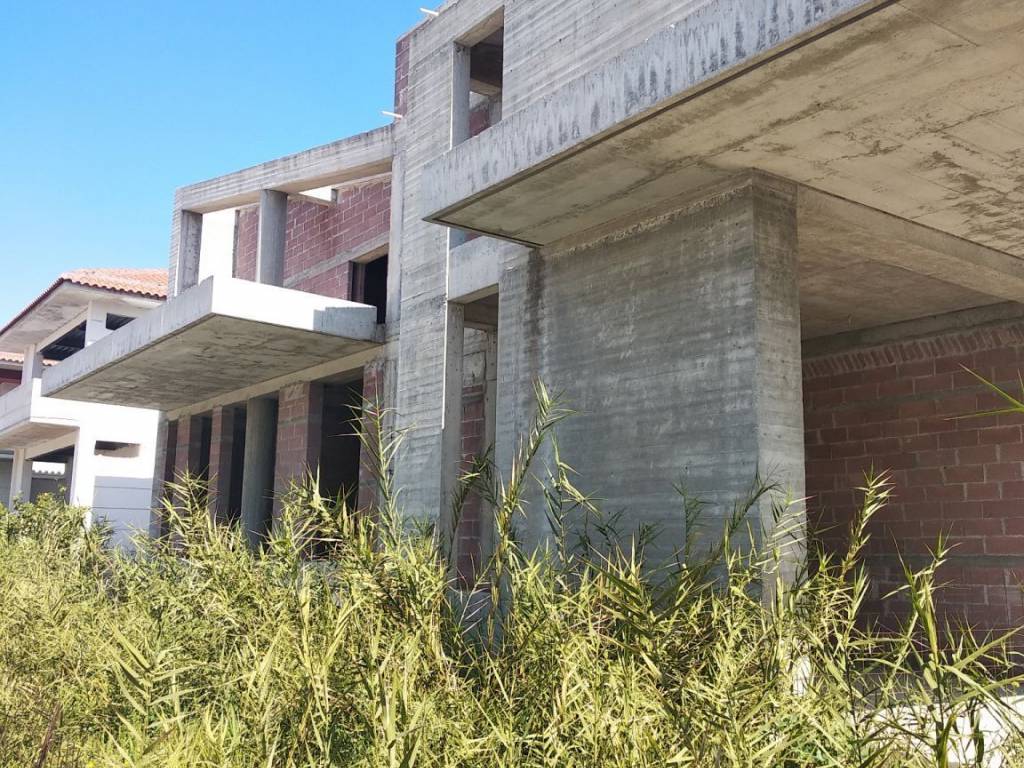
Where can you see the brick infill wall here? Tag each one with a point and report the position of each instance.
(905, 407)
(320, 238)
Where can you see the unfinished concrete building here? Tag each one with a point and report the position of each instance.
(736, 235)
(99, 455)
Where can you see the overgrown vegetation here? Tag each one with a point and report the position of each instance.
(200, 652)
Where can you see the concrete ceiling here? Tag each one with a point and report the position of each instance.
(217, 355)
(860, 268)
(916, 110)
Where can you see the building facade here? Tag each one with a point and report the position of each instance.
(735, 235)
(100, 456)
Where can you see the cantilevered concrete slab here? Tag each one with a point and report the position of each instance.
(26, 417)
(914, 108)
(219, 336)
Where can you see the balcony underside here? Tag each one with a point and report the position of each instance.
(28, 432)
(221, 336)
(915, 109)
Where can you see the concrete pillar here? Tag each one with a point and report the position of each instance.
(678, 348)
(21, 476)
(451, 424)
(273, 220)
(82, 485)
(163, 469)
(222, 457)
(460, 94)
(373, 393)
(32, 367)
(258, 467)
(187, 238)
(300, 408)
(95, 323)
(69, 473)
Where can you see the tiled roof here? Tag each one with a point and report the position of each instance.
(151, 283)
(145, 282)
(11, 357)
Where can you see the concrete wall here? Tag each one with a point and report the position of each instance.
(678, 345)
(902, 403)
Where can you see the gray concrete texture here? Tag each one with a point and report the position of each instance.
(679, 348)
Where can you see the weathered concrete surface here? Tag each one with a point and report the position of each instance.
(860, 268)
(915, 109)
(474, 268)
(219, 335)
(678, 343)
(423, 135)
(354, 157)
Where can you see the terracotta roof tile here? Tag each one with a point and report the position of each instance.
(145, 282)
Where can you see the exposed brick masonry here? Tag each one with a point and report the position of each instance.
(320, 238)
(299, 419)
(904, 407)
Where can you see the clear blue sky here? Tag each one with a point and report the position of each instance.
(106, 107)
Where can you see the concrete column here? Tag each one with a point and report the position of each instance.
(451, 424)
(678, 348)
(95, 323)
(82, 485)
(163, 467)
(373, 393)
(32, 367)
(300, 408)
(69, 473)
(258, 468)
(460, 94)
(271, 237)
(21, 476)
(222, 453)
(187, 237)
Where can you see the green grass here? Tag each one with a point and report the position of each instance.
(200, 652)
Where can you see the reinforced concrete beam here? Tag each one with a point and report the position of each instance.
(843, 226)
(354, 157)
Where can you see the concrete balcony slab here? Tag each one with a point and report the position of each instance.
(214, 338)
(914, 108)
(28, 417)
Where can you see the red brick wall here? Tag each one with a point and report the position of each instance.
(469, 530)
(317, 235)
(902, 407)
(299, 418)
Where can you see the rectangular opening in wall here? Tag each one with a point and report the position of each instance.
(64, 347)
(234, 488)
(116, 450)
(340, 445)
(51, 473)
(370, 284)
(477, 429)
(486, 66)
(477, 78)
